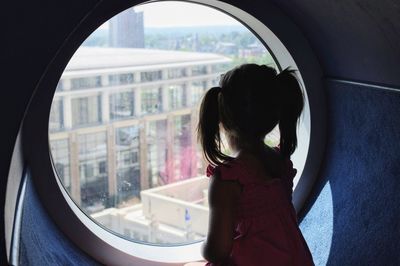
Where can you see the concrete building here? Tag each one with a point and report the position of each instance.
(123, 122)
(173, 213)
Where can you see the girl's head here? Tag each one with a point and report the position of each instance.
(251, 100)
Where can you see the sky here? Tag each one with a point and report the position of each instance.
(178, 14)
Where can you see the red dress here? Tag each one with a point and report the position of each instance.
(267, 231)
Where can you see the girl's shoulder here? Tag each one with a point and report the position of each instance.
(245, 171)
(231, 170)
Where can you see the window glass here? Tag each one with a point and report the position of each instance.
(121, 105)
(157, 140)
(198, 88)
(60, 86)
(56, 120)
(176, 73)
(128, 165)
(176, 94)
(85, 83)
(122, 125)
(120, 79)
(150, 76)
(86, 110)
(151, 100)
(60, 151)
(183, 150)
(93, 173)
(199, 70)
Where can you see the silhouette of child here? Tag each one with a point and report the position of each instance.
(252, 219)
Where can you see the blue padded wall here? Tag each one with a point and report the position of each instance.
(353, 215)
(41, 242)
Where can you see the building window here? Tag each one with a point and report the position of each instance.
(176, 95)
(127, 164)
(61, 155)
(184, 150)
(150, 100)
(221, 68)
(93, 171)
(60, 85)
(85, 83)
(56, 120)
(121, 105)
(159, 163)
(120, 79)
(176, 73)
(198, 88)
(149, 76)
(102, 167)
(199, 70)
(86, 110)
(215, 82)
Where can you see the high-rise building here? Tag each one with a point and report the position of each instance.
(127, 30)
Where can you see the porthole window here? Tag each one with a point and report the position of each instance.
(127, 115)
(124, 167)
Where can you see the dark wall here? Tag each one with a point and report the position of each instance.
(352, 217)
(32, 32)
(355, 40)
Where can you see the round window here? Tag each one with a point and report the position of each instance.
(123, 119)
(125, 170)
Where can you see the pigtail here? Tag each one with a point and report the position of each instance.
(292, 103)
(208, 127)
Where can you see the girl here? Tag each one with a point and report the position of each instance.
(252, 219)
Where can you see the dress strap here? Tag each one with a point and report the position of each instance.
(229, 171)
(210, 170)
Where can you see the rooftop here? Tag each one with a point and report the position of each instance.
(91, 58)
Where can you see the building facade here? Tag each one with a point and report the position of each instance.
(124, 120)
(126, 30)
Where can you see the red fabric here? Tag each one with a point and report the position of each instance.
(266, 231)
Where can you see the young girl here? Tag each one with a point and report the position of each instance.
(252, 219)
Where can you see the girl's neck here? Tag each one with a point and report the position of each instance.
(253, 148)
(241, 145)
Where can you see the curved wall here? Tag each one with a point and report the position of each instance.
(32, 32)
(38, 230)
(356, 203)
(355, 40)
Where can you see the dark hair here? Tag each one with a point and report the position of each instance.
(251, 100)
